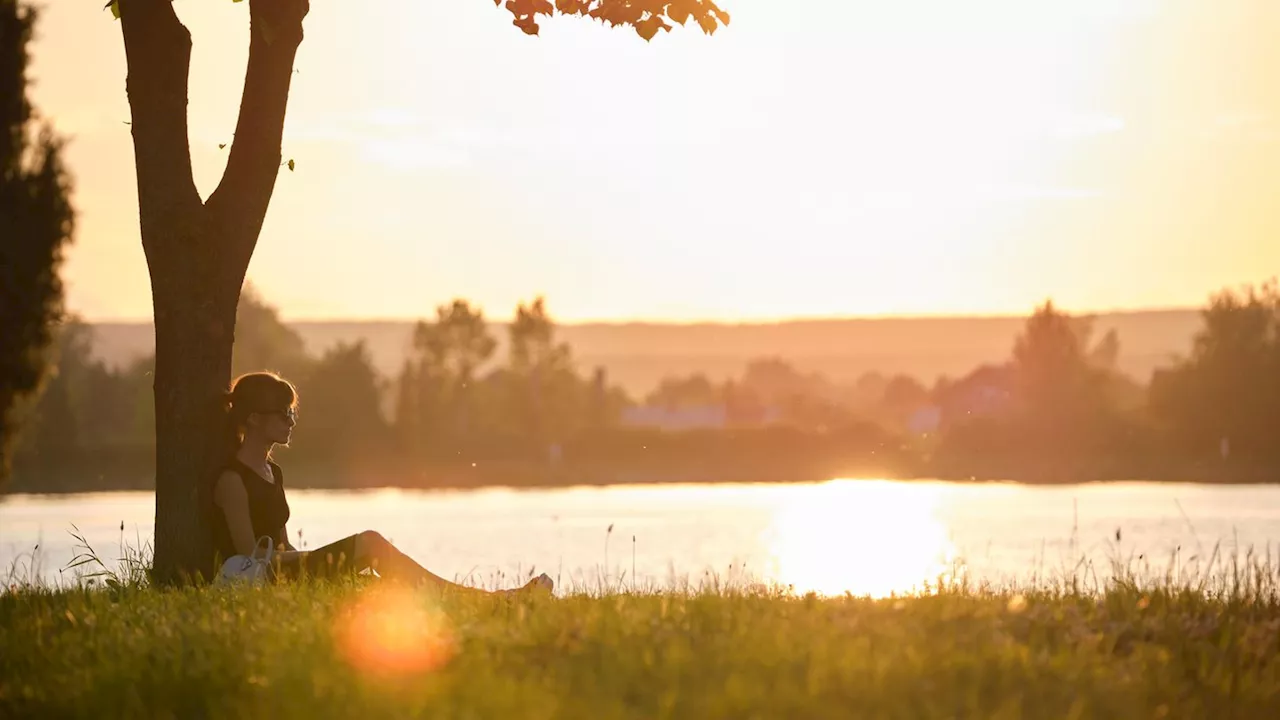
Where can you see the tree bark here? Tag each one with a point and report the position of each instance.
(197, 252)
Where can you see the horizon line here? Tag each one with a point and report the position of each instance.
(679, 322)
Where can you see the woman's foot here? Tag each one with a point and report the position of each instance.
(542, 583)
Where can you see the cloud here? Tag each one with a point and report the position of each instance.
(1087, 125)
(1246, 127)
(414, 153)
(400, 139)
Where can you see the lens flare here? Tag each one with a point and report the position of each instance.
(392, 632)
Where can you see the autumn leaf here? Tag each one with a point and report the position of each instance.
(290, 164)
(527, 24)
(679, 11)
(650, 26)
(646, 16)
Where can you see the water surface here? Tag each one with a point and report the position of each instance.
(861, 536)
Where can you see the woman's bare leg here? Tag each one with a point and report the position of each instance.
(374, 551)
(371, 550)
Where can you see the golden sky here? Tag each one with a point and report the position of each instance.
(816, 158)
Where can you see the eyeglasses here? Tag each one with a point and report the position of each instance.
(287, 414)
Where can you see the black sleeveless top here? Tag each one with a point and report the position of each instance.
(268, 509)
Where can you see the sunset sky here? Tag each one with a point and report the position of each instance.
(815, 158)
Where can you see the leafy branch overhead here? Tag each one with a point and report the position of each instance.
(646, 16)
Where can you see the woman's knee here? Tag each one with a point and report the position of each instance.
(370, 544)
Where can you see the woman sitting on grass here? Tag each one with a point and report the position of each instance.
(249, 500)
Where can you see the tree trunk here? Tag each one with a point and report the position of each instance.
(194, 325)
(198, 252)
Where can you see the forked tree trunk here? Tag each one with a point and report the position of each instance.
(197, 252)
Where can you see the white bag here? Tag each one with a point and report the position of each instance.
(248, 568)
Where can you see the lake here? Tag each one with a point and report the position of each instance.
(872, 537)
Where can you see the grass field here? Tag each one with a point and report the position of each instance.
(367, 649)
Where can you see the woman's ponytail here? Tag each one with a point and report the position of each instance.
(233, 432)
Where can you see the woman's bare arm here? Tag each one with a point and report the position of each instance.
(282, 540)
(230, 496)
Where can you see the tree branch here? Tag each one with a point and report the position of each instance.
(239, 204)
(158, 52)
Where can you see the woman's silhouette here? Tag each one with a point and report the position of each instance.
(249, 498)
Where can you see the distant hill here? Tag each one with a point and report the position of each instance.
(638, 355)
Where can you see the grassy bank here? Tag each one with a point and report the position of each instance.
(364, 649)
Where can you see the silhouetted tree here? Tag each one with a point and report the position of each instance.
(136, 380)
(686, 392)
(86, 410)
(52, 431)
(605, 402)
(198, 250)
(545, 395)
(987, 391)
(1054, 408)
(903, 396)
(36, 222)
(1059, 392)
(775, 381)
(806, 401)
(1225, 397)
(264, 342)
(437, 389)
(57, 420)
(100, 405)
(340, 400)
(867, 392)
(408, 410)
(1050, 364)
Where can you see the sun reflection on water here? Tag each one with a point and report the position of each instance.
(866, 537)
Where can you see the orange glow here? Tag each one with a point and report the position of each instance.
(390, 632)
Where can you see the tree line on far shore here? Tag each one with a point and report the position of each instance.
(1056, 409)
